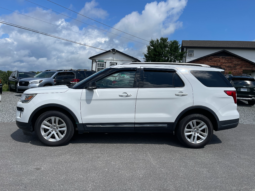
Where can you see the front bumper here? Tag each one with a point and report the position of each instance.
(228, 124)
(24, 126)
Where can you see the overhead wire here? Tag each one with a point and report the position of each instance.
(46, 34)
(96, 20)
(84, 22)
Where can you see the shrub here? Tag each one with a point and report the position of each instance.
(5, 88)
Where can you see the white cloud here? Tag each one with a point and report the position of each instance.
(25, 50)
(91, 10)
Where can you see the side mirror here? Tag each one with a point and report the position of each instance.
(92, 86)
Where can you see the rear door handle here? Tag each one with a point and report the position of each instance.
(125, 94)
(181, 94)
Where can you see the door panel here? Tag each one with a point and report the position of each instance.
(162, 104)
(108, 105)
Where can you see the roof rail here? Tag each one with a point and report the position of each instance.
(169, 63)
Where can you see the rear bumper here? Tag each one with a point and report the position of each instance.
(246, 98)
(229, 124)
(24, 126)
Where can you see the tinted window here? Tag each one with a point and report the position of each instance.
(45, 75)
(178, 81)
(80, 75)
(122, 79)
(158, 79)
(26, 75)
(211, 78)
(243, 82)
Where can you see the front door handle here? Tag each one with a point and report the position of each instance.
(125, 94)
(181, 94)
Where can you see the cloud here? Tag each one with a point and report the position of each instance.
(91, 10)
(156, 20)
(26, 51)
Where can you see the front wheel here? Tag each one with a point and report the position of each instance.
(195, 131)
(54, 128)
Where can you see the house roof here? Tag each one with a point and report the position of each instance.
(114, 50)
(220, 53)
(218, 44)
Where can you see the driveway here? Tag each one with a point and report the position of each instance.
(128, 161)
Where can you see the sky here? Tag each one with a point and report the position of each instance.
(143, 20)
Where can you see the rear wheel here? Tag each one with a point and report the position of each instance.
(194, 131)
(251, 102)
(54, 128)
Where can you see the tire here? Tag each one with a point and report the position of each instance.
(185, 126)
(17, 89)
(251, 102)
(53, 132)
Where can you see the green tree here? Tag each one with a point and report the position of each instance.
(5, 76)
(162, 50)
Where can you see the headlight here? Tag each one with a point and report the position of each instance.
(25, 98)
(36, 82)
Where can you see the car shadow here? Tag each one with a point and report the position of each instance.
(112, 138)
(243, 103)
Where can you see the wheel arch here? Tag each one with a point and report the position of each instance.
(200, 110)
(52, 107)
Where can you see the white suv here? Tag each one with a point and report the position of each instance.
(190, 100)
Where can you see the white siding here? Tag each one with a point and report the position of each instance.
(110, 57)
(200, 52)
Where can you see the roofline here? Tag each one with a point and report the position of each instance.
(214, 47)
(169, 63)
(91, 58)
(223, 51)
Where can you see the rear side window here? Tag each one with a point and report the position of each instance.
(161, 79)
(211, 78)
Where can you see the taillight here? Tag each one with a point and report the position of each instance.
(54, 81)
(74, 81)
(231, 93)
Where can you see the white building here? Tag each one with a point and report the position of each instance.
(110, 58)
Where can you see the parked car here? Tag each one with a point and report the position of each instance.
(245, 88)
(15, 77)
(72, 78)
(191, 100)
(46, 78)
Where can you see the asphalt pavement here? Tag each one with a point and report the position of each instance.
(127, 162)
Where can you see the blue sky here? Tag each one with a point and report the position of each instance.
(176, 19)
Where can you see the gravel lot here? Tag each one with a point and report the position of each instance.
(126, 161)
(9, 100)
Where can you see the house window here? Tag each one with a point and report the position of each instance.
(100, 66)
(113, 63)
(190, 53)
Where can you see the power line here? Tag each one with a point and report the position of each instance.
(95, 20)
(82, 22)
(35, 31)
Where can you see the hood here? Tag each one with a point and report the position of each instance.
(32, 79)
(48, 89)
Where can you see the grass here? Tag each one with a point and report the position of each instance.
(5, 88)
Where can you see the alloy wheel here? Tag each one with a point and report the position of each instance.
(196, 131)
(53, 129)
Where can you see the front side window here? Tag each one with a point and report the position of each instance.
(122, 79)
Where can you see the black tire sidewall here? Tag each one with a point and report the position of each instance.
(66, 119)
(185, 121)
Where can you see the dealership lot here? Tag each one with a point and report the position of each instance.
(126, 161)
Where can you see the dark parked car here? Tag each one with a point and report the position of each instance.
(245, 88)
(71, 78)
(16, 76)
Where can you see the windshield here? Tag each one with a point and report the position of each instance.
(88, 78)
(248, 83)
(45, 75)
(26, 75)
